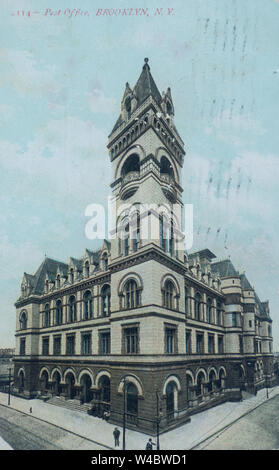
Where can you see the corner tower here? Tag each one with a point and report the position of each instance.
(147, 155)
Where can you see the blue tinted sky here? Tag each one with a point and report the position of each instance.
(62, 80)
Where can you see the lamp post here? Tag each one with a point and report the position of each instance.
(159, 414)
(9, 396)
(266, 386)
(124, 412)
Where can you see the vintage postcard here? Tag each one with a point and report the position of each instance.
(139, 227)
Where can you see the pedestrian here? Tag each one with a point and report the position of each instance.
(116, 434)
(150, 444)
(30, 409)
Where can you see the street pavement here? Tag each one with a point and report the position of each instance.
(189, 436)
(257, 430)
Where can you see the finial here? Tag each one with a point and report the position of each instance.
(146, 63)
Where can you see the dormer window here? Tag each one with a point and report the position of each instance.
(128, 106)
(86, 269)
(169, 108)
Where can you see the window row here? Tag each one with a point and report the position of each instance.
(203, 311)
(199, 347)
(130, 342)
(56, 318)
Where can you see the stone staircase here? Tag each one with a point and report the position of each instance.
(73, 405)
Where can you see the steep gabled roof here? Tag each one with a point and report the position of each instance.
(224, 268)
(49, 266)
(245, 284)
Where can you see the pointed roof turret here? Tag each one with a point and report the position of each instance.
(146, 86)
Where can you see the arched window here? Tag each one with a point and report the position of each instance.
(127, 240)
(132, 398)
(105, 300)
(87, 305)
(72, 309)
(58, 312)
(166, 170)
(163, 232)
(136, 231)
(131, 165)
(198, 306)
(169, 295)
(58, 281)
(23, 320)
(131, 294)
(186, 300)
(208, 309)
(47, 316)
(219, 313)
(171, 239)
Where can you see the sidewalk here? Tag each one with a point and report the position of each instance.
(4, 445)
(202, 425)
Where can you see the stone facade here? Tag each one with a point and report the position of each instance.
(140, 323)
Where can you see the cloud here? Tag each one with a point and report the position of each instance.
(99, 103)
(239, 130)
(21, 71)
(17, 258)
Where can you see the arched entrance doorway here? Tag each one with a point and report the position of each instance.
(171, 400)
(21, 381)
(189, 385)
(44, 381)
(70, 382)
(212, 379)
(56, 383)
(200, 381)
(131, 402)
(86, 384)
(105, 389)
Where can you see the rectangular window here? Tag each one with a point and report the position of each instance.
(240, 344)
(188, 347)
(45, 347)
(200, 348)
(22, 346)
(210, 344)
(131, 340)
(170, 340)
(57, 345)
(104, 342)
(220, 344)
(256, 349)
(234, 319)
(70, 344)
(86, 343)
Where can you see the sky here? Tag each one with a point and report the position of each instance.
(62, 78)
